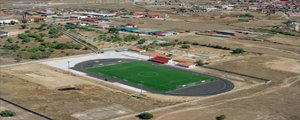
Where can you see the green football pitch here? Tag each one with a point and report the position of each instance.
(151, 76)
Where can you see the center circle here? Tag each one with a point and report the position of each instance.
(147, 74)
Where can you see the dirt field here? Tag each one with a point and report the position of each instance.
(40, 83)
(21, 114)
(35, 86)
(268, 104)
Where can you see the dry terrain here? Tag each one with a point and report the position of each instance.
(39, 83)
(276, 58)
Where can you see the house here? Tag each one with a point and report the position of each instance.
(152, 15)
(294, 14)
(78, 17)
(186, 64)
(139, 15)
(130, 25)
(105, 19)
(220, 35)
(135, 49)
(127, 29)
(3, 34)
(160, 59)
(38, 19)
(89, 19)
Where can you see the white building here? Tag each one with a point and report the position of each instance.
(9, 21)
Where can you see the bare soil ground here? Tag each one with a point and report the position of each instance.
(26, 84)
(270, 104)
(20, 113)
(283, 64)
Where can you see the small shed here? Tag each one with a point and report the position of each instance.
(186, 64)
(3, 34)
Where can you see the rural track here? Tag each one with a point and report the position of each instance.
(285, 84)
(26, 109)
(236, 73)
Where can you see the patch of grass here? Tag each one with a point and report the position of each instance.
(151, 76)
(7, 113)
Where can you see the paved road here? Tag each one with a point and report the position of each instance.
(215, 87)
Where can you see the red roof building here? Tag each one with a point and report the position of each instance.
(130, 25)
(90, 19)
(153, 15)
(37, 19)
(161, 59)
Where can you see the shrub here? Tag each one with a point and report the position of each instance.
(185, 46)
(23, 26)
(129, 38)
(238, 51)
(145, 115)
(199, 63)
(9, 40)
(113, 30)
(7, 113)
(195, 43)
(32, 35)
(167, 44)
(115, 38)
(26, 40)
(11, 47)
(221, 117)
(22, 36)
(39, 38)
(246, 15)
(142, 41)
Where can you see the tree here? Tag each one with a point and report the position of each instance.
(199, 63)
(26, 40)
(147, 10)
(221, 117)
(145, 115)
(7, 113)
(12, 22)
(238, 51)
(113, 30)
(39, 38)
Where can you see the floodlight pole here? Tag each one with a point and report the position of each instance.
(69, 67)
(141, 87)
